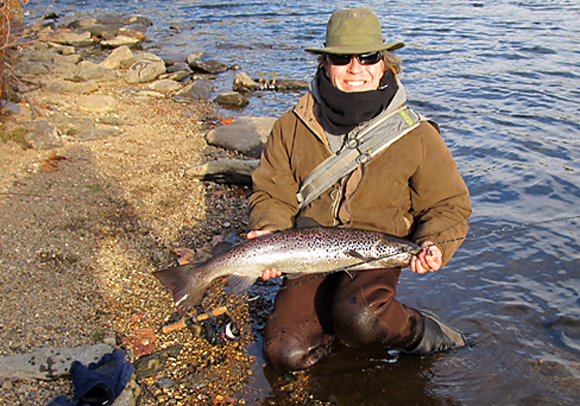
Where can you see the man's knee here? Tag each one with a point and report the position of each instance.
(286, 351)
(357, 325)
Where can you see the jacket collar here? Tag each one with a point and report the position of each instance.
(307, 109)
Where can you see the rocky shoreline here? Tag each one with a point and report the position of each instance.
(109, 174)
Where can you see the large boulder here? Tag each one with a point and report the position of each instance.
(247, 135)
(49, 363)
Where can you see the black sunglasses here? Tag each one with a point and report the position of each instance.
(364, 59)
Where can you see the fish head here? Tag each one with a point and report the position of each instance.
(394, 251)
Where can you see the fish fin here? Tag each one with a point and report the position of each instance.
(306, 222)
(240, 283)
(293, 275)
(226, 244)
(184, 282)
(355, 254)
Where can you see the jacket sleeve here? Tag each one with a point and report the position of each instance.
(273, 204)
(439, 196)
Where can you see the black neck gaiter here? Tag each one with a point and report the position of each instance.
(342, 111)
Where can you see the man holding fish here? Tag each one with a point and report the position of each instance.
(378, 186)
(351, 155)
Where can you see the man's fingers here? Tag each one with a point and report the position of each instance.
(271, 273)
(416, 266)
(256, 233)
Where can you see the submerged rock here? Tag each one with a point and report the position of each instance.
(207, 66)
(232, 99)
(244, 83)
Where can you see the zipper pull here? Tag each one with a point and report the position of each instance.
(336, 196)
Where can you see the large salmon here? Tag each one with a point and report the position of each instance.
(293, 251)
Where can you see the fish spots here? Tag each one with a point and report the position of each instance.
(294, 251)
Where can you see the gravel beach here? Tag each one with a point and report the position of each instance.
(85, 224)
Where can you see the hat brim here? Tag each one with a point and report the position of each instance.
(357, 49)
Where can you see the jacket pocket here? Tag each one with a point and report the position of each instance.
(390, 220)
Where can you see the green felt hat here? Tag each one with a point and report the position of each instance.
(354, 31)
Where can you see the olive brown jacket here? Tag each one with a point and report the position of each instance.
(413, 189)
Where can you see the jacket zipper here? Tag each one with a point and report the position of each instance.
(336, 196)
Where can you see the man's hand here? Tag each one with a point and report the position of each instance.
(271, 272)
(428, 260)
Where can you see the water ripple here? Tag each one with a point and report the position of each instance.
(502, 79)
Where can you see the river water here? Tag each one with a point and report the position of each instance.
(502, 78)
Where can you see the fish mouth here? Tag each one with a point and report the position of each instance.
(415, 251)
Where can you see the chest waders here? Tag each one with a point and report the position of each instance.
(360, 148)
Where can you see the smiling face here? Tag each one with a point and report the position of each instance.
(355, 77)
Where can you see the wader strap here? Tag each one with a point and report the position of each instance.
(359, 149)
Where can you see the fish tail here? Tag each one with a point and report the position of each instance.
(185, 283)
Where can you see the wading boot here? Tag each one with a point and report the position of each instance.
(437, 337)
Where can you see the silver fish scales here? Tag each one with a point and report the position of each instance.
(294, 251)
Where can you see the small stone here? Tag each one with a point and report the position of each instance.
(120, 40)
(22, 389)
(177, 75)
(110, 340)
(165, 85)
